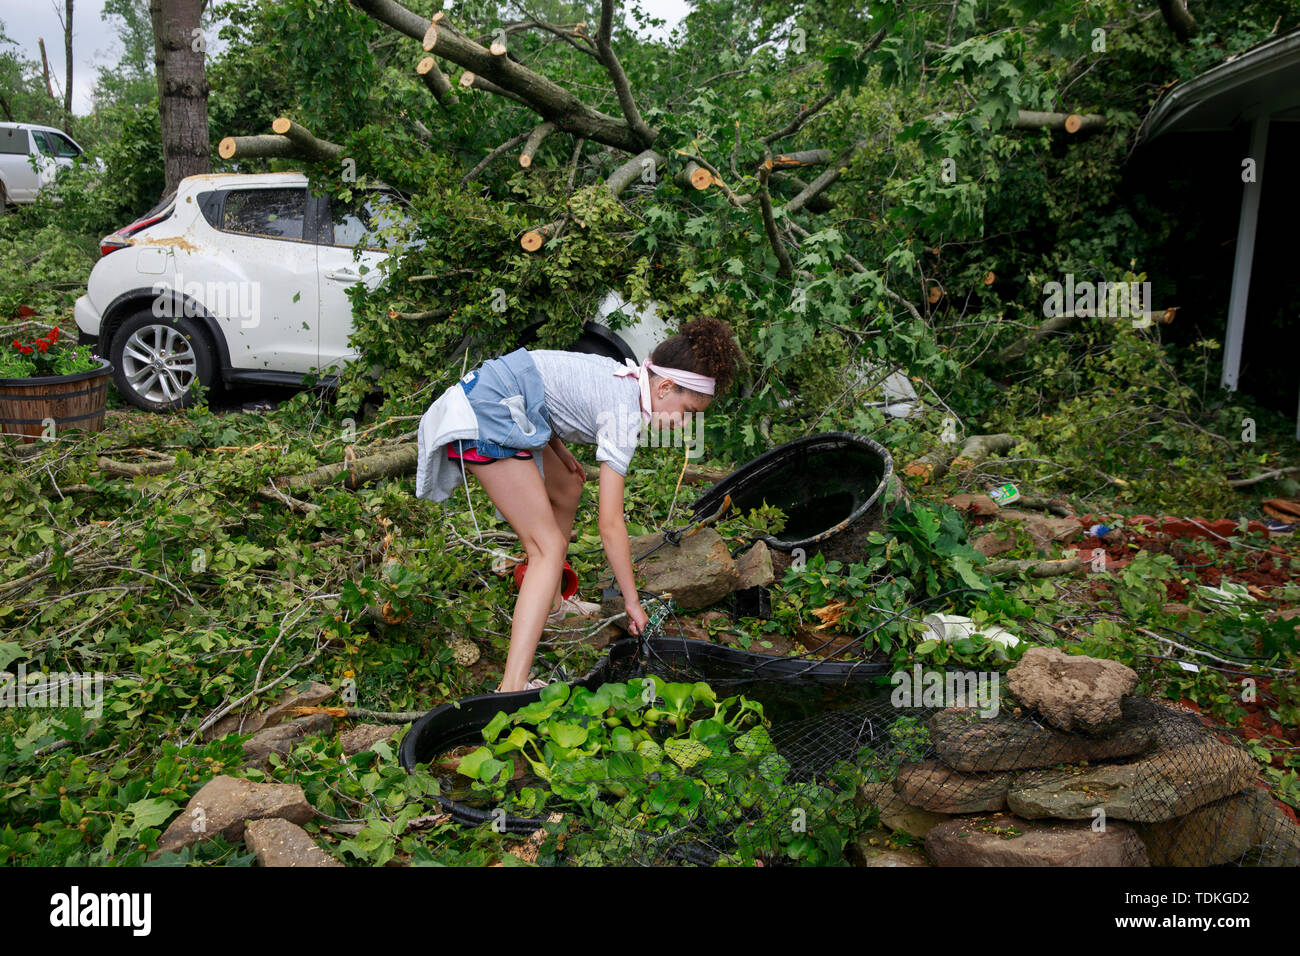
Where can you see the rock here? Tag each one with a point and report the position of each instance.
(282, 738)
(1223, 831)
(1188, 769)
(281, 843)
(364, 736)
(872, 849)
(1072, 693)
(315, 693)
(895, 812)
(995, 542)
(755, 567)
(971, 744)
(223, 807)
(1004, 840)
(976, 504)
(932, 786)
(1046, 530)
(698, 572)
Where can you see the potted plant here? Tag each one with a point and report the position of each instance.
(48, 384)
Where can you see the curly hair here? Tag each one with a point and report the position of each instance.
(705, 346)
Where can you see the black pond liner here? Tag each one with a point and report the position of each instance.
(831, 487)
(461, 722)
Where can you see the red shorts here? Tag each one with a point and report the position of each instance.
(473, 456)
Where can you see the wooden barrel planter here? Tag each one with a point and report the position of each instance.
(72, 401)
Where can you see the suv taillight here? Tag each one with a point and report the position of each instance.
(117, 240)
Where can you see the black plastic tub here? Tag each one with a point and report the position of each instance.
(830, 486)
(461, 722)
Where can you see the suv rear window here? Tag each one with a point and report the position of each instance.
(273, 213)
(13, 142)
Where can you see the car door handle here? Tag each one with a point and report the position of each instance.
(344, 275)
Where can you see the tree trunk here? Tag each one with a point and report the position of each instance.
(182, 88)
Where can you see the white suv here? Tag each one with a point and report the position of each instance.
(243, 278)
(30, 157)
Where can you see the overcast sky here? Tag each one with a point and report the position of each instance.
(94, 44)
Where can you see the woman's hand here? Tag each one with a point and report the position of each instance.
(637, 619)
(569, 462)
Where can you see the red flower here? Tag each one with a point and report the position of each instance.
(42, 345)
(25, 349)
(54, 335)
(18, 345)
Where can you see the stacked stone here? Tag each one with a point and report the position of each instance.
(1027, 788)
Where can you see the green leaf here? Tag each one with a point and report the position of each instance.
(149, 813)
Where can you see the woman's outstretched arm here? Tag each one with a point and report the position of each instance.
(613, 535)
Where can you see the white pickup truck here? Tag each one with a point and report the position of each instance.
(30, 158)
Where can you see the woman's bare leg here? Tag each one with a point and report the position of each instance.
(516, 488)
(565, 492)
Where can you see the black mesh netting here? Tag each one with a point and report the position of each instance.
(835, 759)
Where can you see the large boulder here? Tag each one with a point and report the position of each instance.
(1223, 832)
(973, 744)
(1004, 840)
(1189, 769)
(224, 806)
(698, 572)
(1074, 694)
(278, 842)
(932, 786)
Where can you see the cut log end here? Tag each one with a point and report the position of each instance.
(497, 48)
(531, 241)
(466, 79)
(935, 293)
(226, 148)
(701, 178)
(1073, 123)
(525, 160)
(280, 125)
(430, 36)
(424, 66)
(989, 278)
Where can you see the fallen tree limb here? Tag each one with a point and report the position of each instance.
(545, 97)
(472, 81)
(307, 144)
(618, 181)
(398, 460)
(1064, 321)
(979, 447)
(491, 157)
(1256, 479)
(436, 80)
(933, 465)
(264, 146)
(1036, 569)
(160, 465)
(534, 142)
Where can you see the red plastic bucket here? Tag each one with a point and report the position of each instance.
(568, 586)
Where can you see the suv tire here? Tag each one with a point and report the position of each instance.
(158, 361)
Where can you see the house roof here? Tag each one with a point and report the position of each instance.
(1264, 80)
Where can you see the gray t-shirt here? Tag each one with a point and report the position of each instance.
(590, 404)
